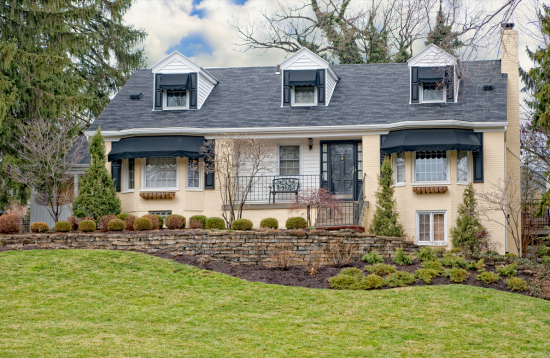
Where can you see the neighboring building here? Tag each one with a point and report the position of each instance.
(331, 125)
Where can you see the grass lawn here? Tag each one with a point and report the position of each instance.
(86, 303)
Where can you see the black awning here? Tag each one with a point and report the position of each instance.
(174, 82)
(424, 140)
(303, 78)
(157, 147)
(431, 74)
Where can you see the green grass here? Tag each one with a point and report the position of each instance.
(86, 303)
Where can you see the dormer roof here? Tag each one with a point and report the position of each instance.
(432, 56)
(178, 63)
(305, 59)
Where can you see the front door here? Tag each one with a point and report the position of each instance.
(342, 168)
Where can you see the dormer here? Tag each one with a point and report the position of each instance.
(306, 80)
(433, 76)
(180, 84)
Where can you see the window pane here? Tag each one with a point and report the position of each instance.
(304, 94)
(289, 160)
(176, 99)
(439, 227)
(431, 166)
(462, 166)
(431, 92)
(423, 227)
(400, 170)
(193, 172)
(325, 148)
(131, 173)
(160, 173)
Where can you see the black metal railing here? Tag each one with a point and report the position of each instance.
(345, 215)
(262, 187)
(358, 220)
(538, 217)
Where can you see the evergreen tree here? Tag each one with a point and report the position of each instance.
(97, 193)
(442, 34)
(385, 221)
(467, 223)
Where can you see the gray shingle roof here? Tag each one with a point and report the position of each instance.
(250, 97)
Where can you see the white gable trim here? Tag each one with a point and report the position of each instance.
(442, 57)
(321, 62)
(187, 62)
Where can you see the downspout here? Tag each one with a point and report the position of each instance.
(506, 150)
(506, 194)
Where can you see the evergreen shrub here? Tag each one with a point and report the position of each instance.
(433, 265)
(457, 275)
(122, 216)
(161, 221)
(400, 279)
(488, 277)
(546, 260)
(143, 223)
(154, 221)
(87, 226)
(271, 223)
(427, 253)
(200, 218)
(296, 222)
(374, 281)
(517, 284)
(104, 222)
(372, 257)
(215, 223)
(347, 282)
(242, 225)
(508, 270)
(468, 224)
(426, 275)
(400, 258)
(62, 226)
(380, 269)
(39, 227)
(116, 225)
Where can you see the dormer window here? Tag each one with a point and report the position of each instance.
(176, 100)
(303, 88)
(175, 91)
(433, 92)
(304, 96)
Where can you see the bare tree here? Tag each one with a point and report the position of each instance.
(318, 199)
(49, 151)
(237, 162)
(535, 158)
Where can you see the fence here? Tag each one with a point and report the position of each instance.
(261, 187)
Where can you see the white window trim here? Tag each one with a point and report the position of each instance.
(126, 176)
(300, 164)
(394, 161)
(165, 99)
(201, 176)
(431, 242)
(144, 179)
(292, 97)
(421, 95)
(420, 183)
(469, 158)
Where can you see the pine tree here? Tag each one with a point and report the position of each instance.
(442, 34)
(385, 221)
(467, 223)
(97, 193)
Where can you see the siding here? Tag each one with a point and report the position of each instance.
(41, 213)
(303, 63)
(205, 87)
(176, 66)
(331, 84)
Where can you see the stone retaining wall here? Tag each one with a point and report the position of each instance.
(246, 247)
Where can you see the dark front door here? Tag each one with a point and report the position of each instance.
(342, 167)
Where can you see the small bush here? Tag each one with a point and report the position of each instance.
(546, 260)
(39, 227)
(517, 284)
(62, 226)
(511, 255)
(453, 260)
(154, 221)
(508, 271)
(347, 282)
(427, 254)
(374, 281)
(381, 269)
(426, 275)
(433, 265)
(10, 224)
(116, 225)
(455, 250)
(488, 277)
(161, 221)
(129, 222)
(200, 218)
(457, 275)
(296, 222)
(400, 279)
(544, 251)
(104, 222)
(242, 224)
(87, 226)
(195, 224)
(372, 257)
(340, 253)
(352, 271)
(475, 265)
(122, 216)
(271, 223)
(215, 223)
(283, 257)
(400, 258)
(175, 221)
(143, 223)
(74, 222)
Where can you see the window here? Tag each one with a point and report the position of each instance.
(462, 167)
(130, 174)
(399, 165)
(289, 160)
(433, 92)
(359, 161)
(304, 95)
(163, 213)
(324, 163)
(160, 173)
(193, 173)
(176, 99)
(430, 167)
(431, 227)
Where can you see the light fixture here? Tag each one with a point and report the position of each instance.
(310, 143)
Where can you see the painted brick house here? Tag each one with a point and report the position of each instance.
(444, 123)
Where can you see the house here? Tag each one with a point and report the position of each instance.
(444, 123)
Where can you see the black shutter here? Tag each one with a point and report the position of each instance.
(158, 92)
(286, 88)
(414, 85)
(209, 180)
(321, 87)
(115, 174)
(478, 161)
(193, 91)
(449, 79)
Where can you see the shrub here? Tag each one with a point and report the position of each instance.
(433, 265)
(372, 257)
(104, 222)
(175, 221)
(517, 284)
(340, 253)
(455, 250)
(352, 271)
(381, 269)
(161, 221)
(347, 282)
(468, 224)
(427, 254)
(154, 221)
(200, 218)
(271, 223)
(546, 260)
(296, 232)
(122, 216)
(508, 271)
(400, 258)
(62, 226)
(116, 225)
(313, 261)
(283, 257)
(39, 227)
(488, 277)
(215, 223)
(511, 255)
(457, 275)
(296, 222)
(426, 275)
(452, 260)
(143, 223)
(87, 226)
(544, 251)
(475, 265)
(242, 224)
(195, 224)
(10, 224)
(74, 222)
(400, 279)
(374, 281)
(129, 222)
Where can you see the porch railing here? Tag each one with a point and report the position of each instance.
(261, 186)
(529, 211)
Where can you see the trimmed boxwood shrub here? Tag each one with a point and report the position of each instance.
(87, 226)
(242, 224)
(129, 222)
(270, 223)
(200, 218)
(517, 284)
(143, 223)
(122, 216)
(175, 221)
(39, 227)
(154, 221)
(215, 223)
(116, 225)
(10, 224)
(161, 221)
(296, 222)
(104, 222)
(62, 226)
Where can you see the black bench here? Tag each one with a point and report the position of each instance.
(284, 186)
